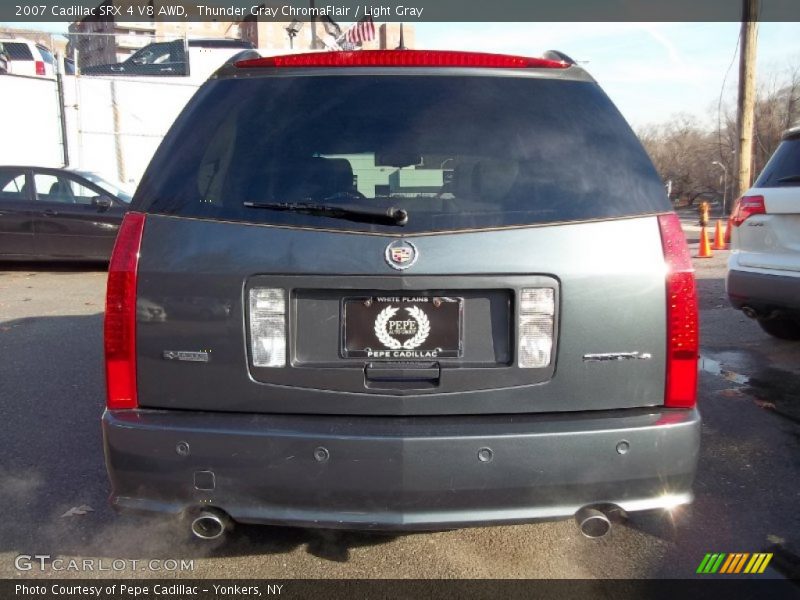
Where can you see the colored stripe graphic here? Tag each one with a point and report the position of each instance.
(734, 563)
(740, 562)
(715, 567)
(711, 563)
(739, 566)
(758, 563)
(728, 563)
(702, 567)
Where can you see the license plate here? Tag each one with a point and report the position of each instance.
(402, 327)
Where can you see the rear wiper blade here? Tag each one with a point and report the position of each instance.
(359, 214)
(789, 179)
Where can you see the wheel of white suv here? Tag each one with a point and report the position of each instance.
(784, 328)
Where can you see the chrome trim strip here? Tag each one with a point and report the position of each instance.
(617, 356)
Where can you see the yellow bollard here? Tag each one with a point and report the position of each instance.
(703, 213)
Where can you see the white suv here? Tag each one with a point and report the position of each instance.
(26, 57)
(764, 265)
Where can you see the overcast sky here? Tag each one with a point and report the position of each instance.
(652, 71)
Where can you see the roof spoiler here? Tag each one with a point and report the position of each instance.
(229, 64)
(243, 55)
(792, 133)
(557, 55)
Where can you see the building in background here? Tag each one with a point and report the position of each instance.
(389, 37)
(274, 35)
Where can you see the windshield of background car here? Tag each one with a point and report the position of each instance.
(156, 54)
(456, 152)
(783, 169)
(114, 188)
(46, 54)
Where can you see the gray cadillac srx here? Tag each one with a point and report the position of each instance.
(400, 290)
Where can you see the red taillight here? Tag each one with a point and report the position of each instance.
(746, 207)
(403, 58)
(120, 323)
(40, 67)
(683, 332)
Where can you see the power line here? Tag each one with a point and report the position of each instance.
(722, 91)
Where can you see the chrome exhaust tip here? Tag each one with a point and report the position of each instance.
(209, 525)
(593, 522)
(750, 312)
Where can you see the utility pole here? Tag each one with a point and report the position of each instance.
(314, 39)
(747, 93)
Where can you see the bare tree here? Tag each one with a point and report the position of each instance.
(684, 152)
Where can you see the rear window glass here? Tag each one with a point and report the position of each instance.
(783, 169)
(455, 152)
(12, 185)
(18, 51)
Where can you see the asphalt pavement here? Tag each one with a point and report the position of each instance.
(54, 488)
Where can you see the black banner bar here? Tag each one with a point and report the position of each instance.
(411, 11)
(731, 588)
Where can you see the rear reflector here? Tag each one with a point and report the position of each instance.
(120, 322)
(746, 207)
(683, 334)
(268, 327)
(403, 58)
(536, 310)
(40, 67)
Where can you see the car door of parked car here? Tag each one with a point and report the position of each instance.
(16, 212)
(75, 219)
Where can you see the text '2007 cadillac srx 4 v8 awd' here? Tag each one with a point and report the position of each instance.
(400, 290)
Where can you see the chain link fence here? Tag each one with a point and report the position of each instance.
(104, 100)
(126, 90)
(125, 93)
(112, 90)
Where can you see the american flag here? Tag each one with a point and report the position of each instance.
(362, 31)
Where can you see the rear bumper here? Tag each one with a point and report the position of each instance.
(400, 473)
(762, 291)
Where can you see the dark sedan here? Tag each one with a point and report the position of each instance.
(58, 214)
